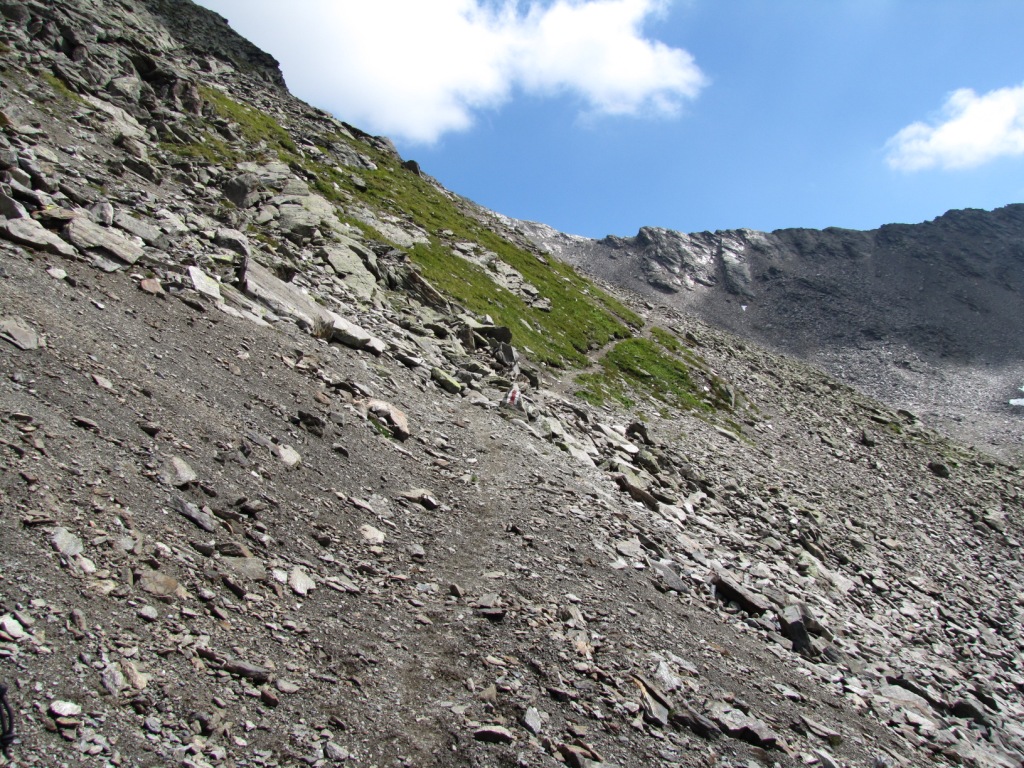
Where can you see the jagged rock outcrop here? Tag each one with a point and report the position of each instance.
(270, 497)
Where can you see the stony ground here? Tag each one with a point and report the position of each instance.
(238, 528)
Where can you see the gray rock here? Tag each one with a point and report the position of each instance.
(371, 535)
(61, 708)
(288, 456)
(349, 261)
(12, 627)
(148, 613)
(190, 511)
(249, 671)
(300, 582)
(348, 333)
(297, 222)
(102, 213)
(177, 473)
(233, 240)
(742, 726)
(791, 619)
(249, 567)
(11, 208)
(86, 235)
(112, 679)
(446, 381)
(244, 190)
(532, 721)
(16, 331)
(158, 583)
(668, 577)
(335, 752)
(494, 734)
(728, 588)
(67, 543)
(395, 418)
(204, 284)
(283, 298)
(30, 232)
(149, 233)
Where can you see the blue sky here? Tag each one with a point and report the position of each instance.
(601, 116)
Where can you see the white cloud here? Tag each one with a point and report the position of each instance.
(417, 69)
(973, 130)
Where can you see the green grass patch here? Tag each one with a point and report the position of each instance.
(561, 337)
(255, 126)
(658, 369)
(212, 150)
(641, 367)
(61, 88)
(582, 317)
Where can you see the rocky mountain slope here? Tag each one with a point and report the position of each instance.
(305, 460)
(922, 316)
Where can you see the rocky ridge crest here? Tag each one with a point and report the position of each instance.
(916, 314)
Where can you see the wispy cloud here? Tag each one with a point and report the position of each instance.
(971, 131)
(416, 70)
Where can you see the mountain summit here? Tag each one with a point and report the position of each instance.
(306, 460)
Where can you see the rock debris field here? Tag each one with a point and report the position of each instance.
(268, 498)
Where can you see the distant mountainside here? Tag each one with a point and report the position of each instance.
(306, 460)
(926, 316)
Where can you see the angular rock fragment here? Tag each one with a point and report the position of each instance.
(204, 284)
(191, 512)
(288, 456)
(12, 627)
(532, 721)
(177, 473)
(395, 418)
(684, 716)
(792, 621)
(300, 582)
(67, 543)
(158, 583)
(30, 232)
(244, 190)
(148, 233)
(446, 381)
(19, 333)
(423, 497)
(371, 535)
(87, 235)
(494, 734)
(348, 333)
(254, 672)
(742, 726)
(668, 578)
(65, 709)
(727, 588)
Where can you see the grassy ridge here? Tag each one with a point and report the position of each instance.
(581, 318)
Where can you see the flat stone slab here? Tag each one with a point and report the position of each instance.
(19, 333)
(33, 234)
(87, 235)
(348, 333)
(283, 298)
(143, 229)
(205, 284)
